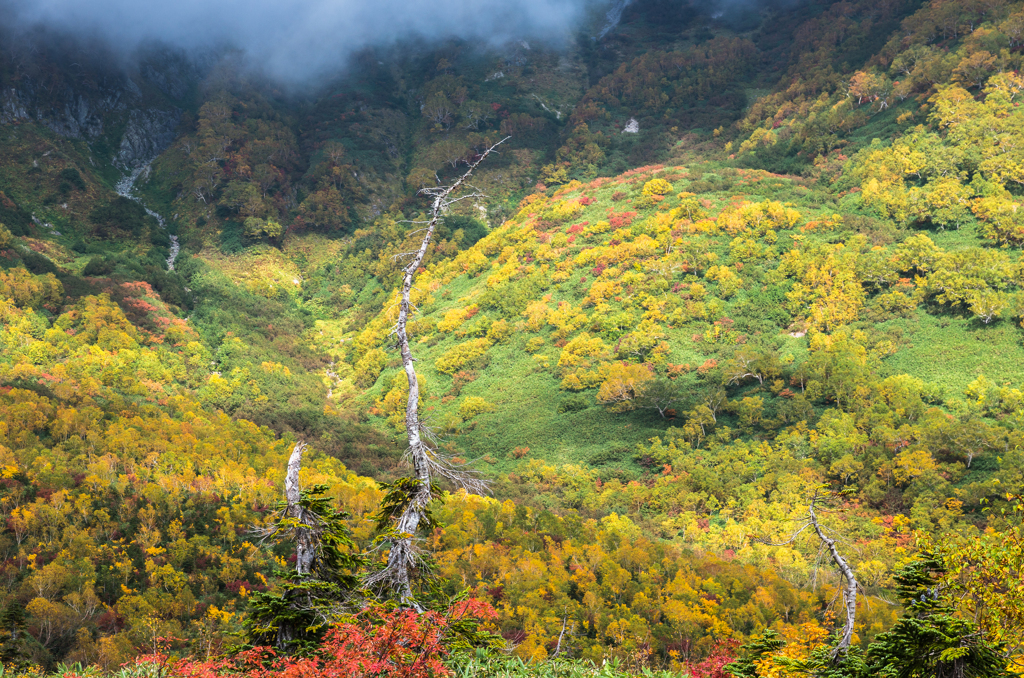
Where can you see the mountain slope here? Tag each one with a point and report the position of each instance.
(818, 285)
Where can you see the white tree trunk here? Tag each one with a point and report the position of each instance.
(850, 588)
(305, 542)
(425, 463)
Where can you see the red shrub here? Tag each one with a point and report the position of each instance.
(714, 665)
(621, 220)
(397, 643)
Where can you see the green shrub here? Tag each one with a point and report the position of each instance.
(121, 214)
(463, 355)
(574, 403)
(232, 238)
(255, 227)
(534, 344)
(70, 177)
(98, 266)
(473, 406)
(473, 230)
(37, 263)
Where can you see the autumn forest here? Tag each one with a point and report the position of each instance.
(688, 343)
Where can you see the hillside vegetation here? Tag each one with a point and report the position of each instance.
(799, 282)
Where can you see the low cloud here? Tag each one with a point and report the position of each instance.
(292, 40)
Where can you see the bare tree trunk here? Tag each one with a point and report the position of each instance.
(305, 542)
(425, 462)
(849, 590)
(561, 635)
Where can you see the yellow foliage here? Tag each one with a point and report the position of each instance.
(581, 351)
(27, 290)
(504, 273)
(800, 642)
(566, 319)
(536, 314)
(274, 368)
(474, 405)
(657, 187)
(760, 137)
(911, 464)
(728, 282)
(563, 211)
(459, 356)
(472, 261)
(499, 331)
(827, 289)
(601, 291)
(453, 319)
(758, 219)
(623, 384)
(370, 366)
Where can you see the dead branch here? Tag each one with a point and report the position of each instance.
(849, 591)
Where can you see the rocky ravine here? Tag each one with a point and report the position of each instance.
(126, 187)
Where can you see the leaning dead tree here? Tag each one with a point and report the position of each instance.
(427, 463)
(850, 586)
(323, 586)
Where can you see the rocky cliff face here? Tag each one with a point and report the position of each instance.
(148, 133)
(70, 113)
(135, 110)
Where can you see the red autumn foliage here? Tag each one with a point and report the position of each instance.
(396, 643)
(621, 220)
(707, 366)
(713, 666)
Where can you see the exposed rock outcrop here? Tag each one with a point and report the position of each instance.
(148, 133)
(70, 113)
(82, 94)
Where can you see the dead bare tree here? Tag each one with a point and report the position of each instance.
(306, 527)
(561, 635)
(325, 585)
(850, 587)
(427, 463)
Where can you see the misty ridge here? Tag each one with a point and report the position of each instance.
(293, 42)
(300, 43)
